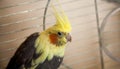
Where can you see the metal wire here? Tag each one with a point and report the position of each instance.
(100, 42)
(45, 12)
(108, 53)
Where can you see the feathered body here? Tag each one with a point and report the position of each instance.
(43, 50)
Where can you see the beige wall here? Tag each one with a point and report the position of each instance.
(19, 18)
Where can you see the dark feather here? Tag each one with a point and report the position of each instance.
(24, 53)
(52, 64)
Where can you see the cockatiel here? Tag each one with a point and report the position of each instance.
(44, 50)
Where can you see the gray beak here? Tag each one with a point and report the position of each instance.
(68, 37)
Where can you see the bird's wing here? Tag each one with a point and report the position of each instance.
(24, 53)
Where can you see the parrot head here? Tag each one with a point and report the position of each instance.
(59, 34)
(59, 38)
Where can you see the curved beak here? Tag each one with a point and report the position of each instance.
(68, 37)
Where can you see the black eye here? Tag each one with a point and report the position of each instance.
(59, 33)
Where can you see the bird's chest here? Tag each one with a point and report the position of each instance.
(55, 51)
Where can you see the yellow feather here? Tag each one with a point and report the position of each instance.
(62, 22)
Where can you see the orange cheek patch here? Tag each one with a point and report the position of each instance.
(53, 38)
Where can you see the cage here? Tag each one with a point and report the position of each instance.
(95, 32)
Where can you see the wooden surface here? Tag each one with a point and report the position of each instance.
(20, 18)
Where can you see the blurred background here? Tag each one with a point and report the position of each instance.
(20, 18)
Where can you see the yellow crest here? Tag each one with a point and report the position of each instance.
(62, 22)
